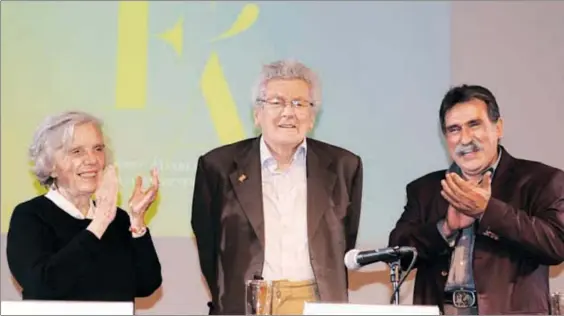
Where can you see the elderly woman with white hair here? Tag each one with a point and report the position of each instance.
(66, 246)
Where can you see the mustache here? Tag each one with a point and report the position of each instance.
(463, 149)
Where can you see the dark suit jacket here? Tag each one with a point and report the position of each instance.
(228, 222)
(520, 234)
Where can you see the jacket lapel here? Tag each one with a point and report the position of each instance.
(320, 183)
(442, 206)
(502, 174)
(247, 183)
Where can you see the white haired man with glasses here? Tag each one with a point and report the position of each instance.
(280, 207)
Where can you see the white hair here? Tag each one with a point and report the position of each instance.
(286, 70)
(55, 133)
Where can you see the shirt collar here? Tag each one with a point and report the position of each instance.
(267, 158)
(493, 168)
(496, 164)
(67, 206)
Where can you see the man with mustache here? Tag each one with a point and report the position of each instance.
(488, 229)
(282, 206)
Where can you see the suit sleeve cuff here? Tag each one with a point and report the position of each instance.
(492, 216)
(450, 240)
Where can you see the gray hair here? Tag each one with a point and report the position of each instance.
(54, 133)
(288, 69)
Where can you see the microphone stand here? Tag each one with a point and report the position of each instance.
(394, 278)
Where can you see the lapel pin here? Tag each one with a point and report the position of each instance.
(242, 178)
(491, 235)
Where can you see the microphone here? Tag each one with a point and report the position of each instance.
(354, 259)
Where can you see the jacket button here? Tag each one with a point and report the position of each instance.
(444, 273)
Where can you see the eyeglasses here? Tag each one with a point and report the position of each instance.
(279, 103)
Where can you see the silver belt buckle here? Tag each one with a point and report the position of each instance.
(463, 298)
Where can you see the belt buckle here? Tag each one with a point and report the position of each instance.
(463, 298)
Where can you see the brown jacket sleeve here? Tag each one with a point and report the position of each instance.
(203, 225)
(354, 208)
(413, 231)
(538, 230)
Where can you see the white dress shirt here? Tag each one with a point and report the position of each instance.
(284, 195)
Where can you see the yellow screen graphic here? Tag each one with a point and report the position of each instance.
(131, 62)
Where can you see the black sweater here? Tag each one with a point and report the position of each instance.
(54, 257)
